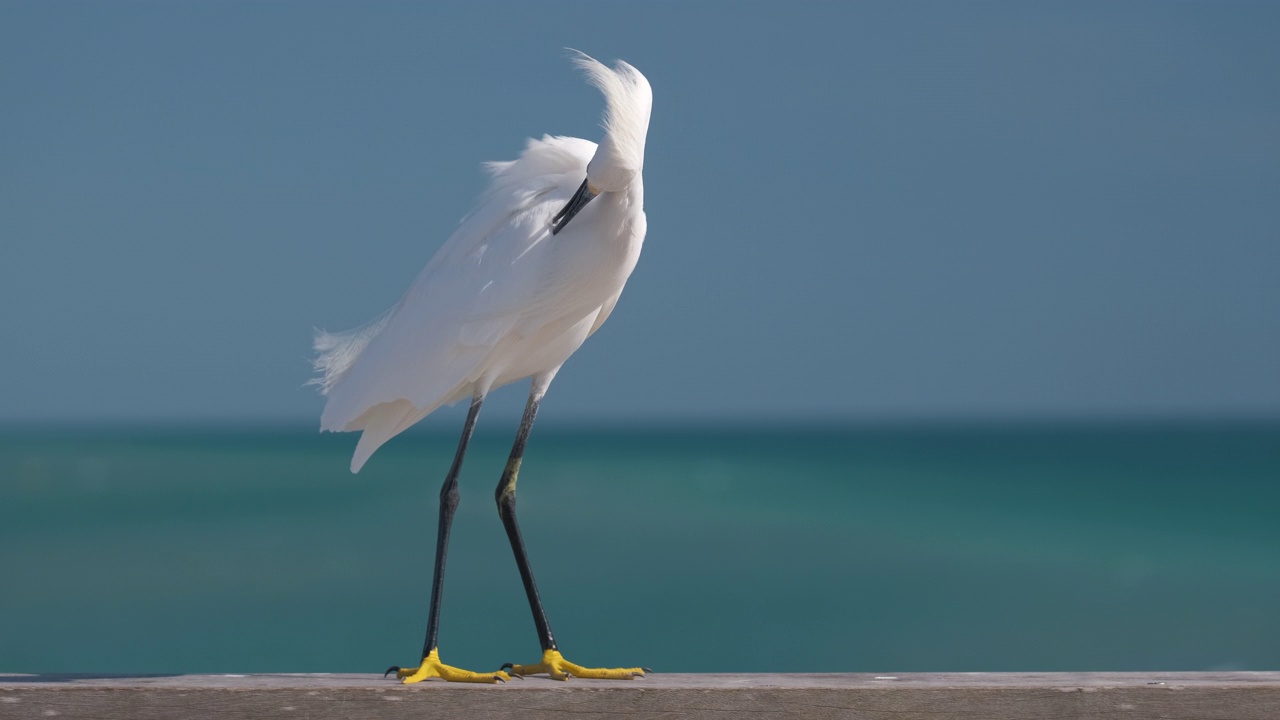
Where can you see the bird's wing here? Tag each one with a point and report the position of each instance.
(513, 186)
(437, 341)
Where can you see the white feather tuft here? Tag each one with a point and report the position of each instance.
(337, 352)
(550, 155)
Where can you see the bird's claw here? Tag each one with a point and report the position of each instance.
(555, 666)
(431, 667)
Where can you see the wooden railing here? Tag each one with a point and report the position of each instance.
(935, 696)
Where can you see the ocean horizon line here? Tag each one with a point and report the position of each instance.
(658, 425)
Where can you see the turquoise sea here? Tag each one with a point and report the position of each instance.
(1075, 546)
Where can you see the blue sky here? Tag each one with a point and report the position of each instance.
(856, 210)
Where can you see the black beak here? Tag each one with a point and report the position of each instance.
(571, 208)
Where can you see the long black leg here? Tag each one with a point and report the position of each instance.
(506, 497)
(448, 504)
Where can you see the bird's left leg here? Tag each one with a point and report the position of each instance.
(553, 663)
(431, 666)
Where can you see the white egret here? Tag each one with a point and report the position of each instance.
(533, 271)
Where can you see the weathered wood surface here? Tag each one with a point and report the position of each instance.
(976, 696)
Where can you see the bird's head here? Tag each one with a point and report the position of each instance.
(619, 157)
(628, 100)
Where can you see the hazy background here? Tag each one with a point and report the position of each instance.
(856, 210)
(953, 346)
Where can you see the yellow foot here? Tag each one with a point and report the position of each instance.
(431, 667)
(554, 664)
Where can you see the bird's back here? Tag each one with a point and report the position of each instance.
(495, 278)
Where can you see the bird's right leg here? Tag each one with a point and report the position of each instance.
(431, 665)
(553, 663)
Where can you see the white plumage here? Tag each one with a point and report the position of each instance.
(504, 298)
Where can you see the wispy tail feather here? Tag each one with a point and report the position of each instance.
(337, 352)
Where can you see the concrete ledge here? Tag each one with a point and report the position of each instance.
(980, 696)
